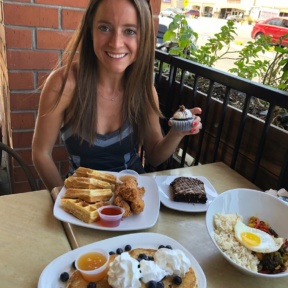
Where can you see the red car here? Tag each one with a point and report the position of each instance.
(272, 27)
(193, 13)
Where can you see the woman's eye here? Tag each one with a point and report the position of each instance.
(104, 28)
(130, 32)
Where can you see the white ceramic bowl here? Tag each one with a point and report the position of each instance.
(247, 203)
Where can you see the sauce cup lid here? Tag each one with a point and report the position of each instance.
(126, 173)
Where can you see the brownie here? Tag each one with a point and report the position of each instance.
(188, 189)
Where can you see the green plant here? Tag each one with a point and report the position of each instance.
(273, 73)
(181, 38)
(248, 65)
(217, 47)
(182, 42)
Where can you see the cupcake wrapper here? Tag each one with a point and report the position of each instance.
(182, 125)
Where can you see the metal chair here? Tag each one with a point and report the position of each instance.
(14, 155)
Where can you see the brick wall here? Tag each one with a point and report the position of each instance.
(36, 34)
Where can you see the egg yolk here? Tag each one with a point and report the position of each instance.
(250, 239)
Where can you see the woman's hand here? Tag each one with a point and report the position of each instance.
(196, 124)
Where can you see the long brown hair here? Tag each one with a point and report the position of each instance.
(138, 82)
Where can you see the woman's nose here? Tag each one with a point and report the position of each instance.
(116, 39)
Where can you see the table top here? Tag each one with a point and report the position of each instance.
(30, 238)
(189, 229)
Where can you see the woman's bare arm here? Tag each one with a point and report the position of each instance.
(47, 129)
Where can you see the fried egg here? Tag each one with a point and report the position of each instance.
(256, 240)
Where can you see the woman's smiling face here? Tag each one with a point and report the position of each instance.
(115, 35)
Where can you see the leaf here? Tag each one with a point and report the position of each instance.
(169, 36)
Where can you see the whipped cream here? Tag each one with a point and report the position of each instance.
(151, 271)
(172, 261)
(124, 272)
(182, 113)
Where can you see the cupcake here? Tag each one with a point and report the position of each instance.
(182, 119)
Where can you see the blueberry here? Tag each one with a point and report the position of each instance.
(150, 258)
(161, 246)
(119, 251)
(177, 280)
(111, 253)
(152, 284)
(91, 285)
(169, 247)
(143, 256)
(160, 284)
(73, 264)
(64, 276)
(128, 247)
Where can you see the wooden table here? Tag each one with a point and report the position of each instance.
(189, 229)
(30, 238)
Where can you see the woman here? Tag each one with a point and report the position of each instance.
(104, 102)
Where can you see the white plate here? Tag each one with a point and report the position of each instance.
(49, 278)
(144, 220)
(163, 183)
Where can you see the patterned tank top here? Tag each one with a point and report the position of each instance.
(110, 152)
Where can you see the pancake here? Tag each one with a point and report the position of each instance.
(189, 281)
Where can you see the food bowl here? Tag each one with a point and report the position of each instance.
(127, 174)
(93, 265)
(247, 203)
(110, 215)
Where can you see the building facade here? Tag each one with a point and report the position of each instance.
(224, 8)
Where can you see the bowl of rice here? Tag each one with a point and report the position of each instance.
(249, 229)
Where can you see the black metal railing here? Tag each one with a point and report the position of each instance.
(171, 74)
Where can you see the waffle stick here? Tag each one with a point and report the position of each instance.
(89, 195)
(87, 183)
(90, 173)
(82, 210)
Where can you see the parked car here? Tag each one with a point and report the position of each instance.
(170, 12)
(273, 27)
(193, 13)
(234, 18)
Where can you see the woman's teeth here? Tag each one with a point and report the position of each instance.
(116, 55)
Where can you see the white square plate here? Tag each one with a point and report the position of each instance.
(163, 183)
(144, 220)
(49, 277)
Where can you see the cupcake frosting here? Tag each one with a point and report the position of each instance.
(182, 113)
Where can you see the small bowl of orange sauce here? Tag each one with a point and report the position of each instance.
(126, 175)
(110, 215)
(93, 265)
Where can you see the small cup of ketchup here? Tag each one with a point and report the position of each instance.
(110, 215)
